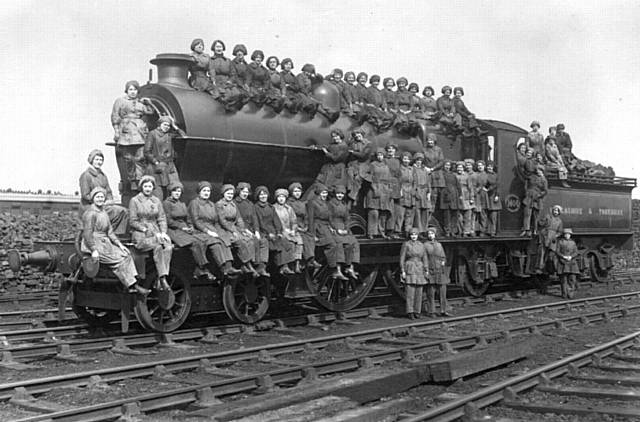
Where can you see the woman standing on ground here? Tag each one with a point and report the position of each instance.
(437, 274)
(414, 268)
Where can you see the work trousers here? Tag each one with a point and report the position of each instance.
(452, 224)
(480, 221)
(261, 250)
(125, 271)
(308, 245)
(492, 222)
(334, 253)
(414, 298)
(244, 249)
(131, 163)
(530, 218)
(465, 220)
(220, 253)
(199, 252)
(421, 219)
(162, 258)
(431, 298)
(351, 249)
(396, 217)
(404, 219)
(376, 221)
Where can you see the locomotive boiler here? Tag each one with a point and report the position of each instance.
(260, 146)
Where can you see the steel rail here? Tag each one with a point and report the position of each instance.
(189, 394)
(52, 345)
(59, 331)
(495, 393)
(145, 369)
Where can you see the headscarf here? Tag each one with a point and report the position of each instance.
(226, 187)
(174, 185)
(339, 189)
(319, 188)
(259, 190)
(96, 190)
(239, 47)
(165, 119)
(242, 185)
(257, 53)
(93, 154)
(293, 186)
(282, 191)
(285, 61)
(131, 83)
(147, 178)
(203, 184)
(196, 42)
(213, 44)
(309, 68)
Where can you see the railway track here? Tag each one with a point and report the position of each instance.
(557, 381)
(33, 296)
(290, 362)
(39, 341)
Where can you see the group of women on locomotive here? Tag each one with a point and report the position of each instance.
(234, 82)
(400, 194)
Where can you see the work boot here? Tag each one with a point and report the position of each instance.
(285, 270)
(262, 271)
(297, 269)
(565, 184)
(204, 273)
(137, 288)
(166, 297)
(251, 269)
(228, 269)
(337, 274)
(312, 263)
(351, 272)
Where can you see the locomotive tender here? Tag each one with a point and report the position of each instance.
(260, 146)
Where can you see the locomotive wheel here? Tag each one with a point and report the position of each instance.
(336, 295)
(475, 290)
(152, 316)
(246, 299)
(391, 276)
(96, 317)
(469, 285)
(597, 274)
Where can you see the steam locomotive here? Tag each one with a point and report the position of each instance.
(261, 146)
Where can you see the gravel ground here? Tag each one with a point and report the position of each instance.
(551, 345)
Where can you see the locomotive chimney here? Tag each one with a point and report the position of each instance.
(172, 69)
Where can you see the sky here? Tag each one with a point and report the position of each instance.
(65, 62)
